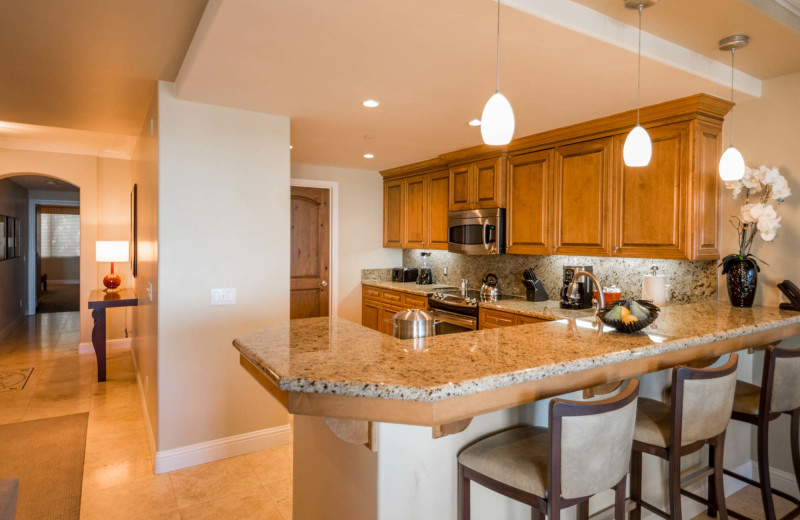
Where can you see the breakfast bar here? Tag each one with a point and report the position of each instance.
(418, 403)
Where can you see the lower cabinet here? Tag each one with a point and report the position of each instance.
(492, 319)
(379, 305)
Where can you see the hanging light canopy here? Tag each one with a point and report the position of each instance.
(638, 148)
(731, 164)
(497, 120)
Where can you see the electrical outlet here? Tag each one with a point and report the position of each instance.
(445, 270)
(223, 296)
(150, 290)
(20, 303)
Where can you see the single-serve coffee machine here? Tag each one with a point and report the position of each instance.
(585, 288)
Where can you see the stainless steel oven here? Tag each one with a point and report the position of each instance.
(477, 231)
(450, 322)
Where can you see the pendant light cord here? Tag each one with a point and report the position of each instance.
(733, 56)
(639, 67)
(497, 87)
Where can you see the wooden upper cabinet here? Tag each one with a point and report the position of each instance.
(393, 213)
(581, 198)
(415, 211)
(479, 184)
(461, 187)
(650, 202)
(530, 178)
(438, 196)
(704, 207)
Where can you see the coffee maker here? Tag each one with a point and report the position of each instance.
(585, 288)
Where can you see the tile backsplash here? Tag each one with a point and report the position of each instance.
(689, 281)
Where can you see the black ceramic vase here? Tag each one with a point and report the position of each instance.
(742, 282)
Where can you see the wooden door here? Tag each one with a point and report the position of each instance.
(528, 211)
(582, 199)
(487, 183)
(649, 212)
(415, 214)
(461, 187)
(393, 213)
(438, 194)
(310, 257)
(370, 314)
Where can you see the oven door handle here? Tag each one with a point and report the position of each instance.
(483, 234)
(469, 323)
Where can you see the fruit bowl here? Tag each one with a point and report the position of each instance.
(629, 315)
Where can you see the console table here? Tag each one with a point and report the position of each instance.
(99, 301)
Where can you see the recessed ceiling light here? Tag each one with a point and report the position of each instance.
(371, 103)
(475, 122)
(368, 156)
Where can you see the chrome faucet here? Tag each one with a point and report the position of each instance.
(572, 289)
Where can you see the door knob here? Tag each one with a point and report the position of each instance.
(323, 283)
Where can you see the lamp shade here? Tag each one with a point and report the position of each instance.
(638, 149)
(731, 165)
(497, 120)
(112, 251)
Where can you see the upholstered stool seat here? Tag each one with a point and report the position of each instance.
(747, 398)
(517, 458)
(652, 422)
(585, 451)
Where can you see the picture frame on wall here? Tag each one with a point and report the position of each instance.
(17, 237)
(134, 243)
(10, 252)
(3, 240)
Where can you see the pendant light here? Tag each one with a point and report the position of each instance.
(638, 149)
(497, 120)
(731, 164)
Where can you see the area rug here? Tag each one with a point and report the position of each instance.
(14, 379)
(61, 297)
(47, 457)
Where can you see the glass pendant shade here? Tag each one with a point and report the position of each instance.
(497, 121)
(731, 165)
(638, 149)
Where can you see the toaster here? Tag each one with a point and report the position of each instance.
(404, 274)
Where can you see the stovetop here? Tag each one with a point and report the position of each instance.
(458, 298)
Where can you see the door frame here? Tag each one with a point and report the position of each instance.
(32, 203)
(333, 250)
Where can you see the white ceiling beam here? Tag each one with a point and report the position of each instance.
(583, 20)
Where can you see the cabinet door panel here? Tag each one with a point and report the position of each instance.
(488, 183)
(581, 198)
(650, 201)
(438, 194)
(370, 314)
(414, 212)
(393, 213)
(528, 198)
(705, 212)
(460, 187)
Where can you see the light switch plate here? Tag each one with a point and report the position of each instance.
(223, 296)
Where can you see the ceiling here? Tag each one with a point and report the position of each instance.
(774, 30)
(42, 183)
(90, 64)
(432, 65)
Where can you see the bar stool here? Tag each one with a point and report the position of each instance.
(701, 403)
(585, 451)
(778, 394)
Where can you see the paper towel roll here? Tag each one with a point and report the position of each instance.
(654, 288)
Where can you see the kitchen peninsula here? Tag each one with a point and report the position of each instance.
(419, 404)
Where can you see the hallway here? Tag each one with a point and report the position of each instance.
(118, 481)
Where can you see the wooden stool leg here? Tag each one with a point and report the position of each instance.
(763, 468)
(619, 500)
(463, 495)
(583, 511)
(719, 487)
(675, 485)
(536, 514)
(712, 481)
(795, 441)
(636, 484)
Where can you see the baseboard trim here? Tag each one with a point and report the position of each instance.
(151, 438)
(86, 347)
(784, 481)
(218, 449)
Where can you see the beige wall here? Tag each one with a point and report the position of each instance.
(144, 173)
(62, 268)
(13, 271)
(360, 229)
(767, 132)
(223, 213)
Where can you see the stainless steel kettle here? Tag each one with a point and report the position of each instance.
(490, 289)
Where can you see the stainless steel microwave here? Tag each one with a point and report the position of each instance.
(477, 231)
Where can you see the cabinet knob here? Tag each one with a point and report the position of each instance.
(616, 249)
(323, 283)
(555, 248)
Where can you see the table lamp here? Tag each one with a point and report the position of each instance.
(112, 251)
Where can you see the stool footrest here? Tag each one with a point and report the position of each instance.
(697, 475)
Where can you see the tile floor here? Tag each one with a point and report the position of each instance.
(118, 481)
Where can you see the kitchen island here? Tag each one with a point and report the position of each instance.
(418, 404)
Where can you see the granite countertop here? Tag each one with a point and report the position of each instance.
(336, 356)
(409, 287)
(545, 310)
